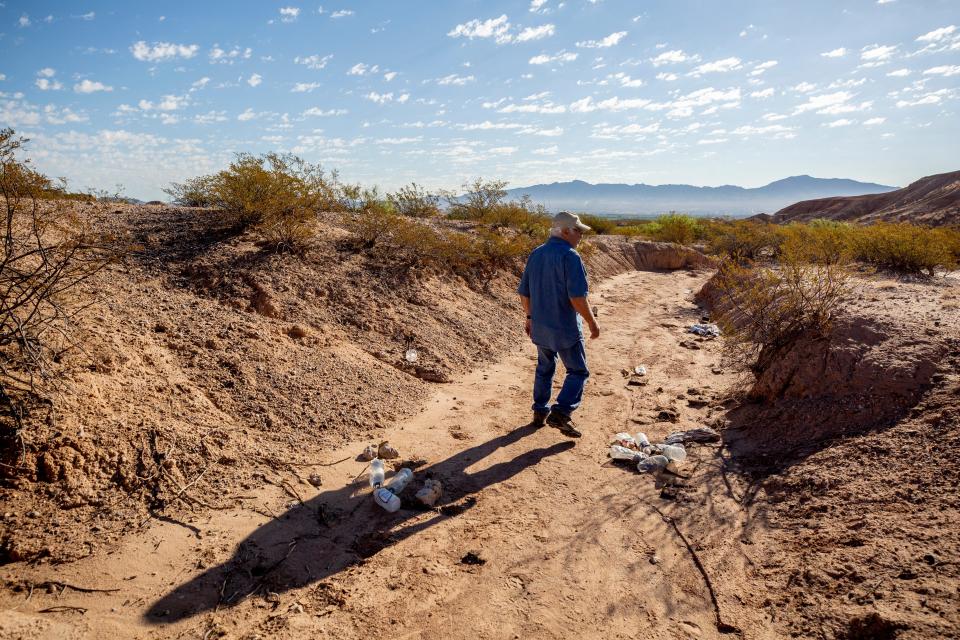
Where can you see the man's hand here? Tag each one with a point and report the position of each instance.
(594, 330)
(527, 326)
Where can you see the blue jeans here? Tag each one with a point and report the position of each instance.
(571, 393)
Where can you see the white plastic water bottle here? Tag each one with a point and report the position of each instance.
(653, 463)
(622, 453)
(642, 440)
(400, 481)
(386, 499)
(376, 473)
(674, 452)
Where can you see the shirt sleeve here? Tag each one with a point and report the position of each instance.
(524, 288)
(576, 276)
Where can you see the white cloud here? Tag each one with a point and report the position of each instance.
(389, 76)
(842, 122)
(765, 93)
(874, 55)
(45, 84)
(161, 51)
(305, 87)
(289, 14)
(885, 1)
(547, 59)
(361, 69)
(874, 121)
(168, 103)
(313, 62)
(496, 28)
(666, 77)
(824, 101)
(62, 116)
(615, 131)
(937, 34)
(900, 73)
(248, 114)
(609, 41)
(454, 79)
(675, 56)
(399, 140)
(502, 150)
(200, 84)
(318, 112)
(762, 67)
(536, 33)
(718, 66)
(804, 87)
(546, 108)
(3, 76)
(945, 70)
(537, 5)
(220, 56)
(835, 53)
(90, 86)
(935, 97)
(254, 80)
(383, 98)
(24, 21)
(210, 117)
(342, 13)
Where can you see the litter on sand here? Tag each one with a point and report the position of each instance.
(647, 456)
(410, 356)
(640, 370)
(700, 434)
(705, 330)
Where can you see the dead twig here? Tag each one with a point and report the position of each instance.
(722, 626)
(61, 608)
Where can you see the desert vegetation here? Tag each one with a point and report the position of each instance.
(48, 252)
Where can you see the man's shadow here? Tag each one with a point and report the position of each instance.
(339, 528)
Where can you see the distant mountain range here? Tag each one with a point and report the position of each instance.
(933, 200)
(646, 200)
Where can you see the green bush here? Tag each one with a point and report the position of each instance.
(480, 199)
(599, 224)
(415, 202)
(676, 227)
(742, 241)
(819, 242)
(906, 249)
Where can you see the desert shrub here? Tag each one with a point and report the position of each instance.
(480, 198)
(764, 311)
(415, 202)
(599, 224)
(742, 241)
(632, 230)
(906, 249)
(48, 251)
(819, 242)
(192, 192)
(521, 215)
(676, 227)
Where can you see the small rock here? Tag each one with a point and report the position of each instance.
(472, 558)
(368, 454)
(315, 480)
(387, 452)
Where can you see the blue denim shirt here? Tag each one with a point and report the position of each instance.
(554, 274)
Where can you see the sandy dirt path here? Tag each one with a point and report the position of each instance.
(571, 545)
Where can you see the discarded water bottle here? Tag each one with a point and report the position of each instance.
(653, 463)
(624, 439)
(674, 452)
(410, 356)
(376, 473)
(642, 440)
(622, 453)
(386, 499)
(400, 481)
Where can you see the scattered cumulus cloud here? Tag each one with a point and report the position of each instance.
(389, 76)
(548, 59)
(454, 79)
(90, 86)
(761, 68)
(945, 70)
(842, 122)
(361, 69)
(536, 33)
(611, 40)
(289, 14)
(162, 51)
(313, 62)
(835, 53)
(900, 73)
(321, 113)
(342, 13)
(718, 66)
(305, 87)
(874, 55)
(496, 28)
(254, 80)
(872, 122)
(765, 93)
(384, 98)
(676, 56)
(536, 6)
(937, 34)
(221, 56)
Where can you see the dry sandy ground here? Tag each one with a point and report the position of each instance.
(570, 545)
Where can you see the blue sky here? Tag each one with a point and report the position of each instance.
(702, 92)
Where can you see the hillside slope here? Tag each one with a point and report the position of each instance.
(933, 200)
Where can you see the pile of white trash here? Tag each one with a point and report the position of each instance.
(656, 457)
(705, 330)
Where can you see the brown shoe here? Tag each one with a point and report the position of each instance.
(539, 419)
(564, 423)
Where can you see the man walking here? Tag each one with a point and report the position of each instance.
(553, 291)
